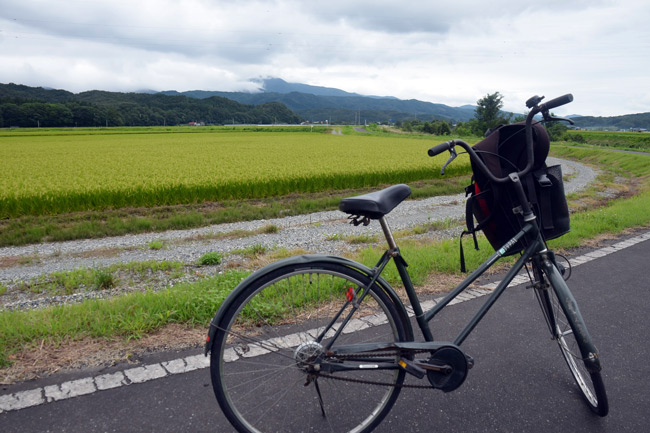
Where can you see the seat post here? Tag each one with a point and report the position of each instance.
(387, 233)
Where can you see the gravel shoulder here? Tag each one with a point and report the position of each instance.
(321, 232)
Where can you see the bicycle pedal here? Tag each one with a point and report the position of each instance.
(411, 368)
(470, 361)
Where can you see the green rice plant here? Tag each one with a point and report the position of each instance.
(49, 173)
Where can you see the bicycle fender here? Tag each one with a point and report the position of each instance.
(306, 259)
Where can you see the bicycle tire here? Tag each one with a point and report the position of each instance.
(572, 338)
(278, 317)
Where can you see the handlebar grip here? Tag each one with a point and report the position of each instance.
(560, 100)
(436, 150)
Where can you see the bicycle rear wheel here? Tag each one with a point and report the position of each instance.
(572, 337)
(275, 331)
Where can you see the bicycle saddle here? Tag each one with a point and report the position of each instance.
(375, 204)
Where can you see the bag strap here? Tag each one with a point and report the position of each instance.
(463, 269)
(469, 222)
(544, 200)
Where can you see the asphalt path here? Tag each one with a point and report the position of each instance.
(520, 382)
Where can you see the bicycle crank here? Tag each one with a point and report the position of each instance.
(450, 366)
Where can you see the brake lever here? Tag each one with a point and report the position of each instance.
(549, 118)
(452, 156)
(562, 119)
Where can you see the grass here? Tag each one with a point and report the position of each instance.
(210, 259)
(134, 315)
(104, 280)
(353, 239)
(251, 252)
(445, 224)
(616, 140)
(156, 245)
(129, 316)
(86, 279)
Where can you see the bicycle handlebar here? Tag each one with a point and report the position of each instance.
(543, 108)
(553, 103)
(436, 150)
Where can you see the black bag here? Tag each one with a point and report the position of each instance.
(495, 206)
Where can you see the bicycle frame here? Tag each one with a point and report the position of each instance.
(529, 231)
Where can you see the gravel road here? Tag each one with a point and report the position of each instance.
(320, 232)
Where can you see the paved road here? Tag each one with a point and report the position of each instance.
(519, 383)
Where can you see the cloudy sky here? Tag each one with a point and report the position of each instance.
(451, 52)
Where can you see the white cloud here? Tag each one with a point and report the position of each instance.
(447, 52)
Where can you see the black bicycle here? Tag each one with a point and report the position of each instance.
(324, 343)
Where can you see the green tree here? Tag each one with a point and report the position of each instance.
(489, 114)
(9, 115)
(442, 127)
(465, 129)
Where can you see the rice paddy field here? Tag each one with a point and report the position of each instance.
(48, 172)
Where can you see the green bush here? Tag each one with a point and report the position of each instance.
(104, 280)
(210, 259)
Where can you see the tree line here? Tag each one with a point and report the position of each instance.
(23, 106)
(488, 115)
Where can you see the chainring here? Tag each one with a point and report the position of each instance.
(454, 358)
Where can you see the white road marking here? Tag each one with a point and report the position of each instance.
(34, 397)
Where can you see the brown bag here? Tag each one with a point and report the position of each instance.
(494, 206)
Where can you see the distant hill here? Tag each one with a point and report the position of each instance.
(628, 121)
(35, 106)
(316, 103)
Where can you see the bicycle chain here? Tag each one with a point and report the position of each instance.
(369, 382)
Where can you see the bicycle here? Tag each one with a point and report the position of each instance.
(325, 343)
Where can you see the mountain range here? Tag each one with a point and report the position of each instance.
(275, 101)
(315, 103)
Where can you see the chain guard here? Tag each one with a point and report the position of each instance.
(453, 357)
(445, 356)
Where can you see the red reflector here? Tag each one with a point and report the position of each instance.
(207, 339)
(350, 294)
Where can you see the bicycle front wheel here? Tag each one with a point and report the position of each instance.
(267, 345)
(573, 339)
